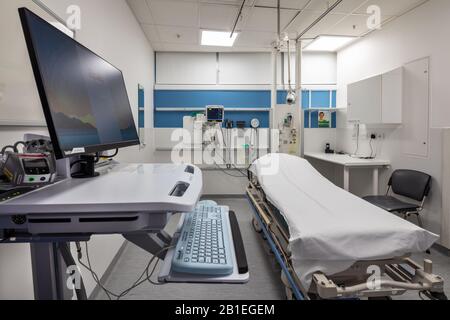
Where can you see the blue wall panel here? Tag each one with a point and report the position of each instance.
(141, 119)
(320, 99)
(282, 95)
(333, 120)
(306, 119)
(305, 99)
(202, 98)
(314, 120)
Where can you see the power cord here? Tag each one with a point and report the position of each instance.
(136, 284)
(357, 140)
(232, 165)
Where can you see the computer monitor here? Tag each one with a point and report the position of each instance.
(84, 98)
(215, 114)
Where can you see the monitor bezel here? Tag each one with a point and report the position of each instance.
(59, 153)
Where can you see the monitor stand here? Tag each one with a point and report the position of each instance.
(87, 168)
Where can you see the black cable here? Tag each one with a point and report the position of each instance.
(6, 148)
(371, 147)
(76, 162)
(136, 284)
(114, 155)
(17, 144)
(232, 165)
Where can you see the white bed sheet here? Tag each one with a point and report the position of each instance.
(330, 228)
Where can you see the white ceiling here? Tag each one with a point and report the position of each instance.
(175, 25)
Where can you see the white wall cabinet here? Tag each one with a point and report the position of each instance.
(377, 100)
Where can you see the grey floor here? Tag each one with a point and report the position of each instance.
(264, 284)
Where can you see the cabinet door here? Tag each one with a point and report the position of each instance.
(392, 104)
(416, 111)
(364, 100)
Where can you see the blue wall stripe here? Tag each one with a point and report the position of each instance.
(232, 99)
(202, 98)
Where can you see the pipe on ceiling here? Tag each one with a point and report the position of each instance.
(320, 18)
(237, 18)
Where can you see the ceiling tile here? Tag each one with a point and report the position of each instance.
(179, 35)
(349, 6)
(353, 25)
(287, 4)
(141, 11)
(325, 25)
(174, 13)
(151, 32)
(227, 2)
(391, 8)
(256, 39)
(263, 19)
(217, 17)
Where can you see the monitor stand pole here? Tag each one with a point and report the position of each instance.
(87, 168)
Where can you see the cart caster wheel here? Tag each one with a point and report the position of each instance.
(256, 226)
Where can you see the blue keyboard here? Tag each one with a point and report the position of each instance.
(204, 246)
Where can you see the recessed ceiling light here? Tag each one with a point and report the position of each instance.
(218, 38)
(329, 43)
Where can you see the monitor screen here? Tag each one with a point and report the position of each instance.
(84, 98)
(214, 113)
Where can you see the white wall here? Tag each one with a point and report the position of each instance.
(238, 71)
(418, 34)
(110, 29)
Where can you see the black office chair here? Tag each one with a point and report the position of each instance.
(410, 184)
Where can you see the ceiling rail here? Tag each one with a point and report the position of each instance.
(237, 18)
(320, 18)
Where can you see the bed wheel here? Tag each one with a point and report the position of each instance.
(256, 226)
(289, 294)
(380, 299)
(438, 296)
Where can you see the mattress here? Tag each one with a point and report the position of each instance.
(331, 229)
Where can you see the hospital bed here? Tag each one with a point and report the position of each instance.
(331, 244)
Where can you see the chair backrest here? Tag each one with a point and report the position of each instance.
(411, 184)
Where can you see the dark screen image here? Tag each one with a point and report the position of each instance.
(86, 95)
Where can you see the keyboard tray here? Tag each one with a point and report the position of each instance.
(167, 275)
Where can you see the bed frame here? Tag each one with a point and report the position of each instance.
(399, 275)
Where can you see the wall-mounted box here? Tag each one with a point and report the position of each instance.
(377, 100)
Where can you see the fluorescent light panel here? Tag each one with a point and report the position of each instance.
(218, 38)
(329, 43)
